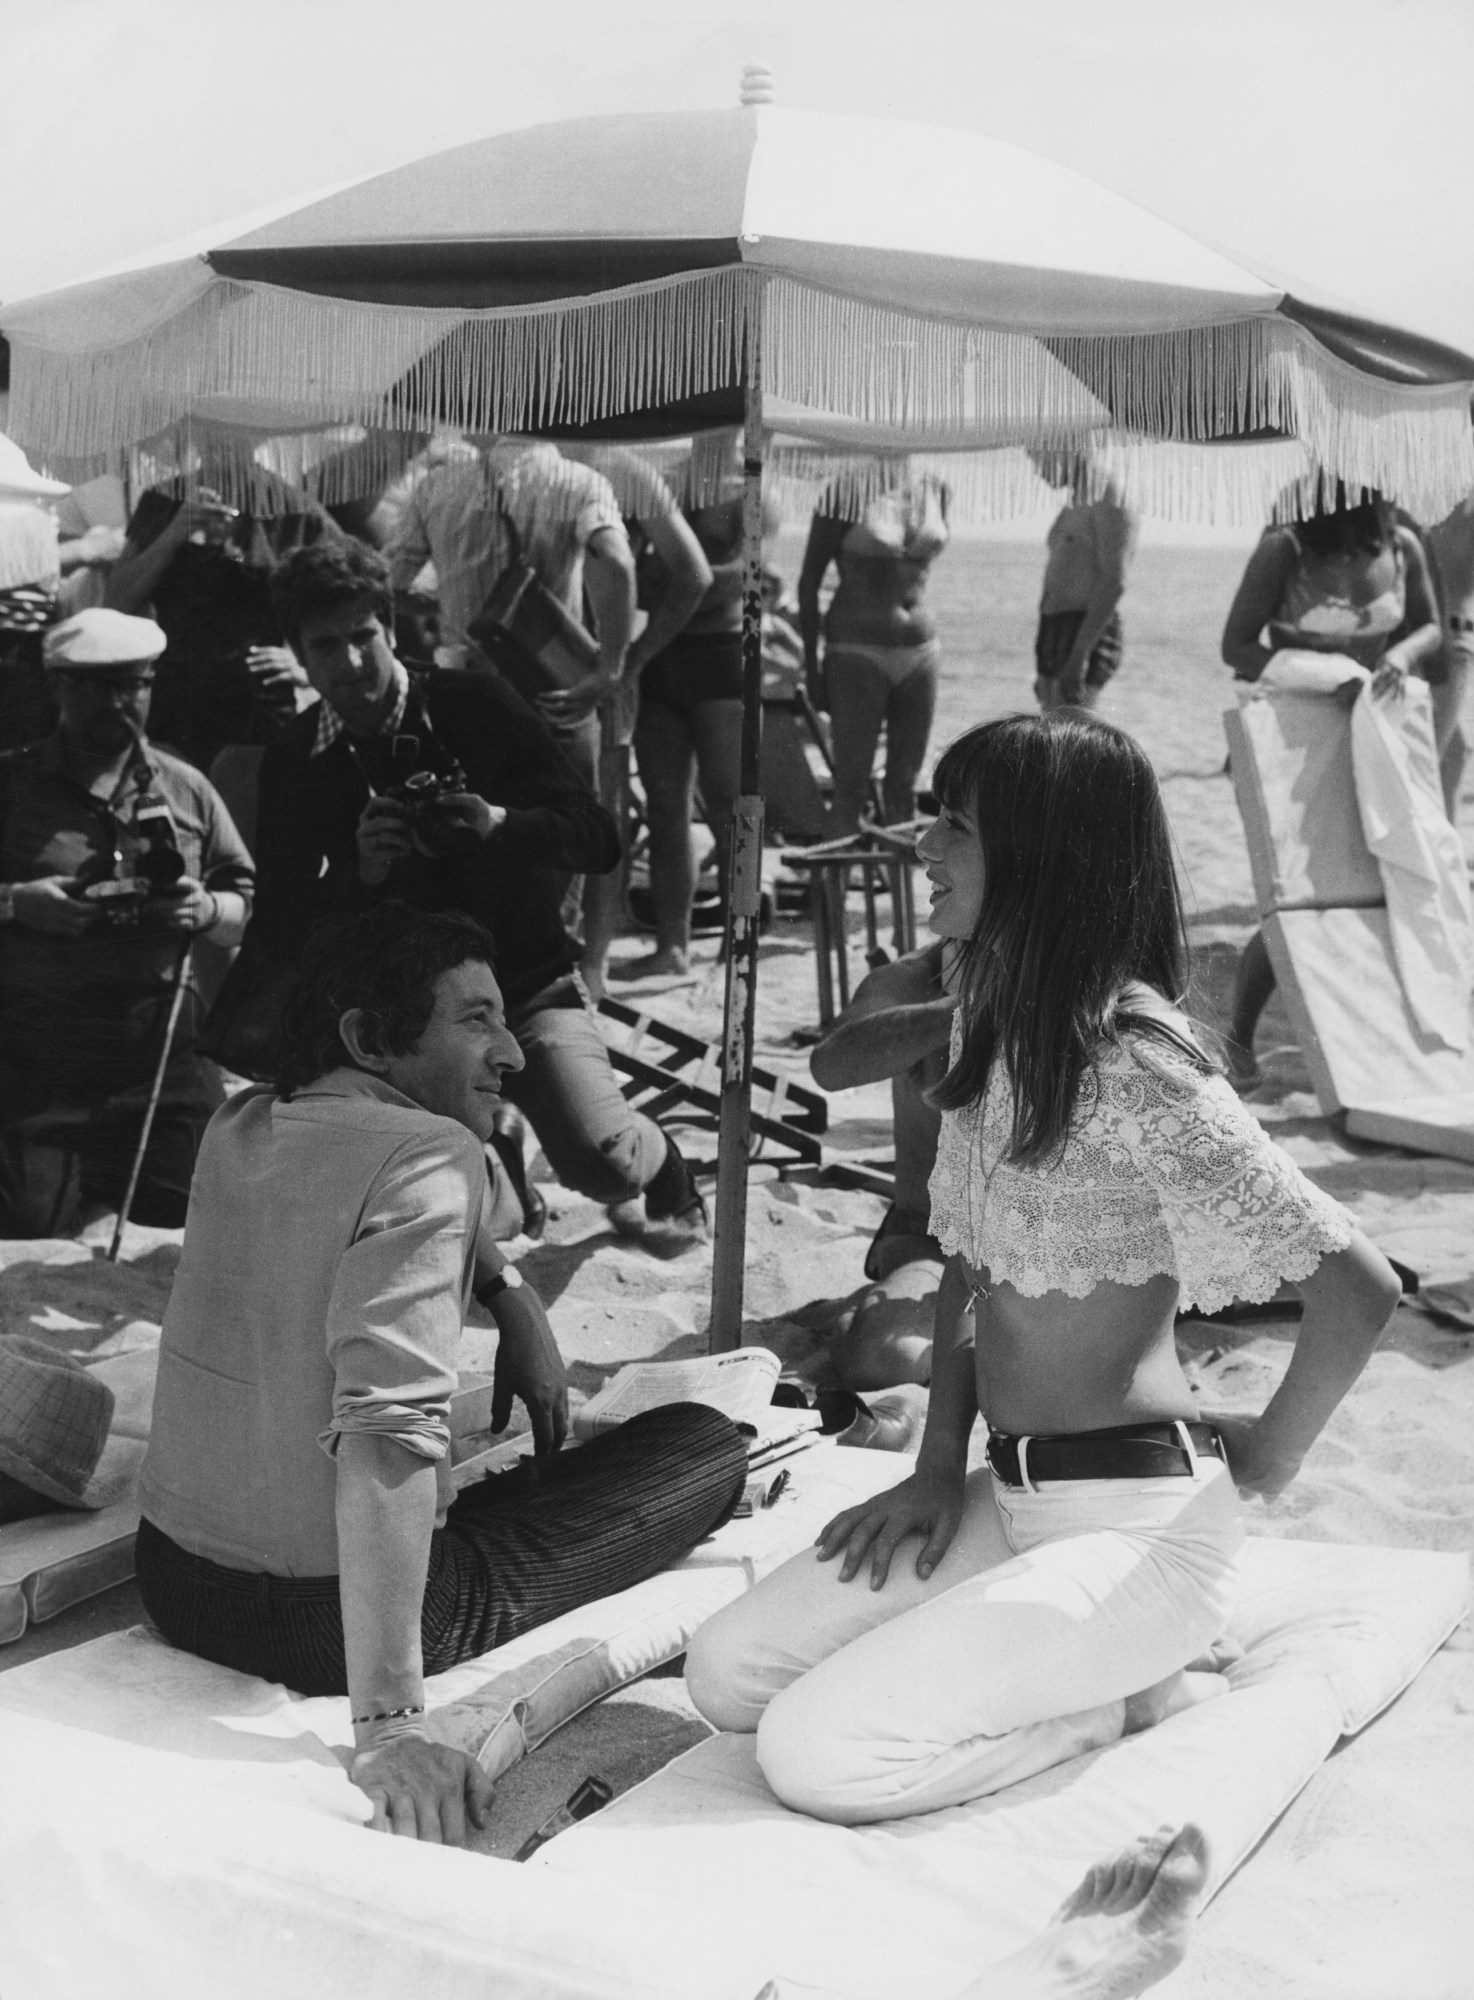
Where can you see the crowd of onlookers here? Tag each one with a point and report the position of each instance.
(222, 727)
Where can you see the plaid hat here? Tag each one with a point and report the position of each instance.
(54, 1418)
(102, 638)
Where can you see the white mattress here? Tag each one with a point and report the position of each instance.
(920, 1906)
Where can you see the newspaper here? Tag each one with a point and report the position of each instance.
(739, 1384)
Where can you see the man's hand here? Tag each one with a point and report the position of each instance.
(529, 1365)
(464, 817)
(275, 669)
(384, 837)
(45, 905)
(189, 906)
(566, 705)
(422, 1790)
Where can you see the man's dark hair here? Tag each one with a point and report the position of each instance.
(327, 574)
(386, 962)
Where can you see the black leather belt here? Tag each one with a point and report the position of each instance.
(1129, 1451)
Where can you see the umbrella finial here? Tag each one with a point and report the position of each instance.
(757, 84)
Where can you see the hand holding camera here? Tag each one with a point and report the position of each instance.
(189, 907)
(51, 904)
(384, 837)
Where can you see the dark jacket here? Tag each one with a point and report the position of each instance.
(307, 846)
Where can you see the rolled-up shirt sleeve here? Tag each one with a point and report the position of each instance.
(398, 1302)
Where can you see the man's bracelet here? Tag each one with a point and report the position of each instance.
(389, 1715)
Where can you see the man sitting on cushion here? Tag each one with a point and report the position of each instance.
(299, 1521)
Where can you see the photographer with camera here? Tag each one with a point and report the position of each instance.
(114, 857)
(444, 790)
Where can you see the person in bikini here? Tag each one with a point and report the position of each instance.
(1351, 580)
(688, 735)
(1091, 542)
(880, 646)
(1094, 1172)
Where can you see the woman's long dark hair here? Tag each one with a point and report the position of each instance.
(1080, 910)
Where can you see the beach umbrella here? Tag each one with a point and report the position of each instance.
(663, 273)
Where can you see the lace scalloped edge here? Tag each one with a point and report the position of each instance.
(1253, 1284)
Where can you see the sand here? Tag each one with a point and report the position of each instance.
(1362, 1889)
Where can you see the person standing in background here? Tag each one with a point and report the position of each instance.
(475, 513)
(30, 575)
(1090, 544)
(1451, 545)
(689, 734)
(880, 645)
(202, 569)
(673, 577)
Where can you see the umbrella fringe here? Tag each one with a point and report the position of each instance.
(333, 362)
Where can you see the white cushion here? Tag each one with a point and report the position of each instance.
(1332, 1635)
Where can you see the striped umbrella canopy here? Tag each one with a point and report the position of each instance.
(661, 274)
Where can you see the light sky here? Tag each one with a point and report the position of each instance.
(1326, 144)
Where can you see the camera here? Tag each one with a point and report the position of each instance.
(120, 895)
(422, 794)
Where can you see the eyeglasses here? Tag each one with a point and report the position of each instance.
(120, 683)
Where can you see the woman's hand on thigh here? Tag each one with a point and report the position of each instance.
(928, 1505)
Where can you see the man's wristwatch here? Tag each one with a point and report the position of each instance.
(7, 902)
(507, 1279)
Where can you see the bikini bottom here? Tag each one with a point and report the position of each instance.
(897, 663)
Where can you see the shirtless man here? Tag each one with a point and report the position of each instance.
(897, 1025)
(1090, 544)
(1451, 545)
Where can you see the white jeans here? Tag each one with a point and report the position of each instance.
(1046, 1612)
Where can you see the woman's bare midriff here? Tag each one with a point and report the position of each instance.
(879, 602)
(1057, 1364)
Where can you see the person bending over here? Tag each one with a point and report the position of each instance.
(1094, 1172)
(897, 1026)
(444, 790)
(1352, 580)
(298, 1516)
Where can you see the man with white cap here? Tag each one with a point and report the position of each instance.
(114, 857)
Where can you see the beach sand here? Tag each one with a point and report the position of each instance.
(1362, 1890)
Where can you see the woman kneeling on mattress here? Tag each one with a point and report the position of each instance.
(1095, 1173)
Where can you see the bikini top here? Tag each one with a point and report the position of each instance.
(906, 524)
(1326, 598)
(1165, 1173)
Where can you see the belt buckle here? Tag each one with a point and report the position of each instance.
(1023, 1466)
(1185, 1440)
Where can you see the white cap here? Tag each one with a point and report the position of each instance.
(101, 638)
(19, 482)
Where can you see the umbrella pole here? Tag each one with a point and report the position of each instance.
(744, 895)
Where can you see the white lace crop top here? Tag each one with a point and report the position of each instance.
(1166, 1173)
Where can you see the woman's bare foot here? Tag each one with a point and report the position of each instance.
(667, 963)
(1125, 1927)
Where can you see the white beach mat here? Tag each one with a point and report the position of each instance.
(197, 1827)
(919, 1906)
(1319, 892)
